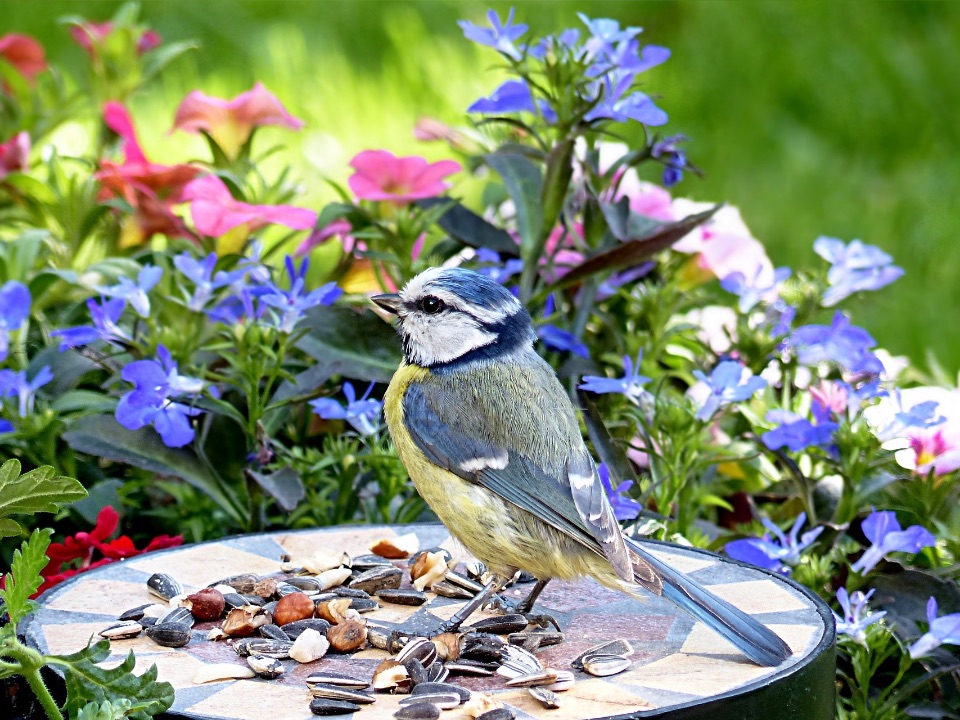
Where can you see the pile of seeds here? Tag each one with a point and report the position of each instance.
(318, 606)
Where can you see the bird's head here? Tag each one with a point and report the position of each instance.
(452, 315)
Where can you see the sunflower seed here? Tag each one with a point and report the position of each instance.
(604, 665)
(379, 578)
(322, 706)
(279, 649)
(611, 647)
(418, 711)
(350, 592)
(294, 629)
(338, 692)
(502, 625)
(363, 563)
(133, 613)
(470, 667)
(444, 701)
(432, 688)
(273, 632)
(540, 639)
(547, 697)
(265, 667)
(517, 661)
(178, 615)
(463, 581)
(332, 678)
(419, 648)
(541, 677)
(497, 714)
(306, 585)
(445, 588)
(169, 634)
(476, 570)
(436, 673)
(122, 630)
(163, 586)
(240, 583)
(564, 681)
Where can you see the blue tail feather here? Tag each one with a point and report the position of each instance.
(756, 641)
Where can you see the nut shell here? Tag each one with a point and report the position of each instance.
(348, 636)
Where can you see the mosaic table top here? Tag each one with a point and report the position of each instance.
(677, 661)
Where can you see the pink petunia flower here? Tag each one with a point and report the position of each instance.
(380, 175)
(150, 188)
(24, 53)
(215, 211)
(339, 229)
(90, 34)
(230, 122)
(13, 154)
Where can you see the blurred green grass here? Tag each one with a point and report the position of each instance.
(836, 118)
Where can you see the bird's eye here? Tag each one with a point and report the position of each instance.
(431, 305)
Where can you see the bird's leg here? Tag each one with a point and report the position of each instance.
(525, 606)
(456, 620)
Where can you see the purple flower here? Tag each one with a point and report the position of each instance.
(854, 267)
(558, 338)
(105, 315)
(151, 404)
(501, 36)
(630, 385)
(667, 152)
(15, 384)
(624, 508)
(201, 274)
(796, 432)
(362, 414)
(511, 97)
(943, 630)
(840, 342)
(495, 268)
(775, 548)
(754, 290)
(854, 621)
(883, 531)
(14, 310)
(6, 426)
(729, 382)
(135, 293)
(604, 34)
(615, 104)
(292, 303)
(609, 287)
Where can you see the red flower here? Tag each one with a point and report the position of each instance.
(24, 53)
(151, 189)
(380, 175)
(80, 548)
(13, 154)
(230, 122)
(90, 34)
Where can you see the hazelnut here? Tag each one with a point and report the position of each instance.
(206, 604)
(348, 636)
(265, 588)
(293, 607)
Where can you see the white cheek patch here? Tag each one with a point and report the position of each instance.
(498, 462)
(442, 338)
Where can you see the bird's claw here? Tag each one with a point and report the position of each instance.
(507, 607)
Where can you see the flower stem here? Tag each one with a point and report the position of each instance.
(30, 662)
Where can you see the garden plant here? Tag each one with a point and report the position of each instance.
(185, 345)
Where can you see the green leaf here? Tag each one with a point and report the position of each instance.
(103, 437)
(556, 183)
(335, 211)
(24, 577)
(284, 486)
(40, 490)
(116, 710)
(155, 61)
(470, 229)
(357, 345)
(635, 250)
(87, 682)
(525, 185)
(220, 407)
(607, 449)
(84, 401)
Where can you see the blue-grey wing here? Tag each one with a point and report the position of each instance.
(462, 438)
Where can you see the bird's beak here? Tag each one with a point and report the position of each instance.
(389, 302)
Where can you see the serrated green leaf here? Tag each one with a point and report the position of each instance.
(24, 577)
(87, 682)
(116, 710)
(40, 490)
(9, 528)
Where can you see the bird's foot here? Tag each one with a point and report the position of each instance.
(510, 607)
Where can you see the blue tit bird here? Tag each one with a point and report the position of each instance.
(492, 443)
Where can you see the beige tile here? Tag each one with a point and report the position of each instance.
(200, 565)
(391, 613)
(177, 669)
(70, 638)
(700, 675)
(256, 700)
(106, 597)
(704, 641)
(447, 611)
(683, 563)
(593, 698)
(760, 596)
(354, 541)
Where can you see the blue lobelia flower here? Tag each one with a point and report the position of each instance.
(511, 97)
(495, 268)
(202, 275)
(775, 550)
(615, 104)
(558, 338)
(854, 268)
(6, 426)
(796, 433)
(840, 342)
(943, 630)
(151, 402)
(728, 383)
(883, 531)
(855, 621)
(751, 291)
(605, 34)
(15, 384)
(135, 293)
(672, 156)
(565, 40)
(292, 303)
(14, 310)
(500, 36)
(362, 414)
(624, 508)
(105, 315)
(630, 385)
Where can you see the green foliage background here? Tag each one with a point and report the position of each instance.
(835, 118)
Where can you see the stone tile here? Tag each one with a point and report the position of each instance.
(683, 563)
(200, 565)
(760, 596)
(596, 627)
(593, 698)
(101, 596)
(563, 596)
(355, 541)
(65, 639)
(700, 675)
(175, 668)
(256, 700)
(703, 641)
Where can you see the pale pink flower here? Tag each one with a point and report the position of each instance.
(647, 198)
(230, 122)
(90, 34)
(930, 449)
(13, 154)
(832, 397)
(380, 175)
(215, 211)
(24, 53)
